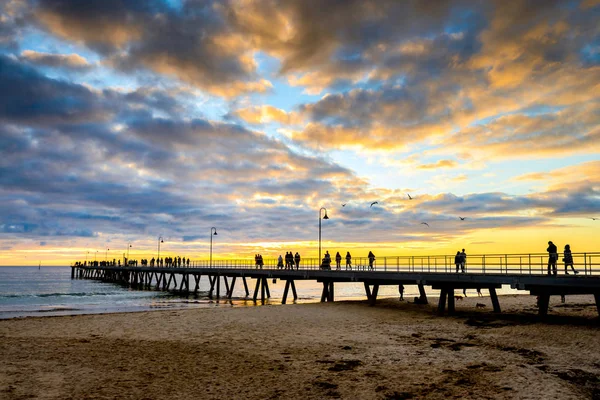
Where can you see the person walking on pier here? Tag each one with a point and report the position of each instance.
(463, 260)
(338, 261)
(401, 290)
(371, 260)
(280, 262)
(348, 261)
(297, 260)
(568, 260)
(457, 260)
(552, 258)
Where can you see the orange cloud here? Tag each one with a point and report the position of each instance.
(439, 164)
(56, 60)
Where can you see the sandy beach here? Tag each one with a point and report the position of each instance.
(395, 350)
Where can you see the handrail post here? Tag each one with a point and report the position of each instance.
(585, 263)
(483, 262)
(506, 263)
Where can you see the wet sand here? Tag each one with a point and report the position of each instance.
(349, 350)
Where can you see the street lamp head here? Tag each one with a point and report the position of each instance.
(162, 241)
(325, 217)
(215, 233)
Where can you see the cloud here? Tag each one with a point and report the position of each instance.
(439, 164)
(72, 61)
(192, 44)
(263, 114)
(35, 97)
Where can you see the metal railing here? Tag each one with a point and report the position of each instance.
(586, 264)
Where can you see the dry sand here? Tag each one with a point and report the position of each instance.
(348, 350)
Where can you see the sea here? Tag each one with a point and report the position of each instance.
(50, 291)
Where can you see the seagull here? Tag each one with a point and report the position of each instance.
(410, 198)
(595, 219)
(373, 203)
(425, 223)
(344, 205)
(462, 218)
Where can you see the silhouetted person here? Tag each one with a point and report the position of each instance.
(463, 260)
(338, 260)
(297, 260)
(348, 261)
(457, 261)
(401, 290)
(280, 262)
(552, 258)
(479, 292)
(568, 260)
(326, 262)
(188, 262)
(371, 260)
(465, 289)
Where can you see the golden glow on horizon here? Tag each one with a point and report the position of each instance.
(582, 237)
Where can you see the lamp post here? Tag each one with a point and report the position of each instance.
(324, 217)
(211, 240)
(95, 255)
(160, 240)
(128, 246)
(86, 255)
(106, 254)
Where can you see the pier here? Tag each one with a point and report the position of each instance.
(527, 272)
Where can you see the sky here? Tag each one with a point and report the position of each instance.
(124, 121)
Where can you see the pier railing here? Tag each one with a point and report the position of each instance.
(529, 264)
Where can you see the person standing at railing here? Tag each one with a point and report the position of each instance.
(552, 258)
(457, 260)
(297, 260)
(280, 262)
(463, 260)
(348, 261)
(371, 260)
(338, 261)
(568, 260)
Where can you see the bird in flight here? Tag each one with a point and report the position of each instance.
(595, 219)
(344, 205)
(373, 203)
(462, 218)
(425, 223)
(410, 198)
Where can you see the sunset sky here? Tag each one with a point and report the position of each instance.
(122, 121)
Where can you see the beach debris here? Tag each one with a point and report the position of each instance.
(480, 305)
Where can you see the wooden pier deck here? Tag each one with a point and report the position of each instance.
(527, 276)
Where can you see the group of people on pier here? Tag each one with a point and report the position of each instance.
(291, 260)
(85, 263)
(168, 262)
(553, 259)
(326, 261)
(460, 260)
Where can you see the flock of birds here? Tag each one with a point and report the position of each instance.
(410, 198)
(425, 223)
